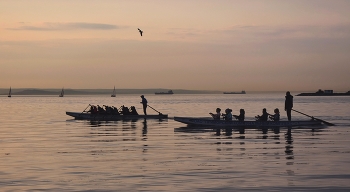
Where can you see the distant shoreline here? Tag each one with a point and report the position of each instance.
(324, 94)
(56, 92)
(48, 92)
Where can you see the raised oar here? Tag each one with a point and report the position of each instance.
(325, 122)
(84, 109)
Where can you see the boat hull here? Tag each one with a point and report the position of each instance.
(243, 92)
(170, 92)
(110, 117)
(222, 123)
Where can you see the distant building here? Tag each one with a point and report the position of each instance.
(328, 91)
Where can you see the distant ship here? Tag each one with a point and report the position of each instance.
(164, 93)
(242, 92)
(325, 93)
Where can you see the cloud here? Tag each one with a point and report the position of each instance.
(243, 34)
(48, 26)
(293, 31)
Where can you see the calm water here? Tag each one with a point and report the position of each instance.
(42, 149)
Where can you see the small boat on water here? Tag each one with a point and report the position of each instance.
(113, 94)
(96, 113)
(170, 92)
(222, 123)
(62, 93)
(110, 117)
(10, 94)
(242, 92)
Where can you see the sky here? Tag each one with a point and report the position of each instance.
(225, 45)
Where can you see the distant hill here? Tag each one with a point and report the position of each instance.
(33, 91)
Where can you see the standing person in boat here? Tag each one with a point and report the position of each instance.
(144, 104)
(241, 115)
(276, 116)
(228, 114)
(217, 115)
(288, 105)
(262, 117)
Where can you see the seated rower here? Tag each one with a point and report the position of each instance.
(100, 110)
(227, 115)
(125, 110)
(115, 111)
(241, 115)
(217, 115)
(107, 109)
(133, 110)
(262, 117)
(276, 116)
(93, 109)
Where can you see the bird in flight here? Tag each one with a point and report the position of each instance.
(140, 31)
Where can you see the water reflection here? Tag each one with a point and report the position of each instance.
(289, 146)
(227, 131)
(186, 129)
(144, 128)
(100, 123)
(121, 130)
(144, 136)
(230, 131)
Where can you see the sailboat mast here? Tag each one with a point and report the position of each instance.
(113, 94)
(62, 93)
(10, 94)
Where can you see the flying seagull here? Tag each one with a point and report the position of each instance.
(140, 31)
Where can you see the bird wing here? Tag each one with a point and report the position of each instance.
(140, 31)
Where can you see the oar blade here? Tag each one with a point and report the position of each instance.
(325, 122)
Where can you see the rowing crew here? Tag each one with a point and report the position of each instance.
(107, 110)
(265, 115)
(228, 115)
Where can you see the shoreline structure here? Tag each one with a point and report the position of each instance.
(320, 92)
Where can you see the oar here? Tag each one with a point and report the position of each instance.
(84, 110)
(155, 110)
(325, 122)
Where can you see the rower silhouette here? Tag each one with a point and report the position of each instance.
(140, 31)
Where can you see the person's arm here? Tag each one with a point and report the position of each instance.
(285, 105)
(213, 115)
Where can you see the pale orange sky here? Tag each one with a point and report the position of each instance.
(226, 45)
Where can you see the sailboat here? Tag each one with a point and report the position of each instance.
(10, 94)
(62, 93)
(113, 94)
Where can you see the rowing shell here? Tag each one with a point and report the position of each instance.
(222, 123)
(110, 117)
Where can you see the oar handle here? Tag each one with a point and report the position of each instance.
(302, 113)
(154, 109)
